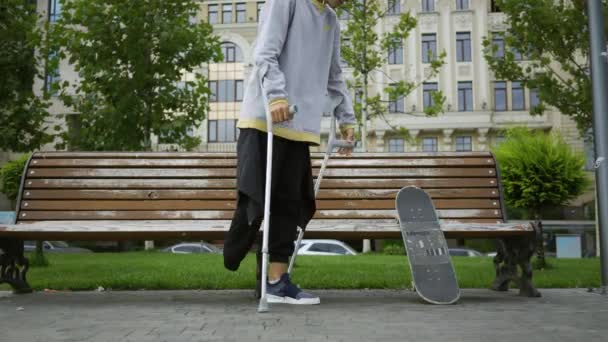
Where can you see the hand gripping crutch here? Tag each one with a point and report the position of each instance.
(332, 143)
(263, 306)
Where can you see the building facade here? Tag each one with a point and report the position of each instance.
(478, 106)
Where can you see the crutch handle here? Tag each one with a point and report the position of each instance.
(293, 109)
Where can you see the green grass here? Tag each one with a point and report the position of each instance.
(152, 270)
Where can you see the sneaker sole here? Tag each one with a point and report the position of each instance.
(288, 300)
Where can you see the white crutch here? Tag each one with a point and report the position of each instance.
(263, 306)
(332, 143)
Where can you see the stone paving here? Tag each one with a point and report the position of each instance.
(372, 315)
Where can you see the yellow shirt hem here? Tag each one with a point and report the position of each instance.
(280, 131)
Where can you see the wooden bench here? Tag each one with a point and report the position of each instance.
(153, 195)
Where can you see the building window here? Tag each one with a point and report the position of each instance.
(395, 53)
(494, 8)
(358, 95)
(429, 144)
(54, 10)
(238, 90)
(429, 47)
(463, 46)
(227, 14)
(463, 144)
(500, 96)
(222, 130)
(397, 105)
(213, 90)
(462, 4)
(232, 53)
(396, 145)
(465, 96)
(53, 78)
(517, 55)
(498, 40)
(212, 16)
(260, 6)
(394, 7)
(428, 5)
(428, 90)
(517, 95)
(240, 13)
(226, 91)
(74, 123)
(534, 99)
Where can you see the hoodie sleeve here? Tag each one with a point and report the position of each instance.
(336, 88)
(274, 24)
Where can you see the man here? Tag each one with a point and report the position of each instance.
(297, 61)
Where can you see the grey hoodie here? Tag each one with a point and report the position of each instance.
(297, 56)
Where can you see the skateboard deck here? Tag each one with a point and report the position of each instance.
(427, 251)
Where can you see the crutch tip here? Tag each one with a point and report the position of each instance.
(263, 307)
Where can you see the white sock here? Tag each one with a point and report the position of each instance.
(273, 282)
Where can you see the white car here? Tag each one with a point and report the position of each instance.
(325, 247)
(192, 247)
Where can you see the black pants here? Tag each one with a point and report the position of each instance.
(292, 196)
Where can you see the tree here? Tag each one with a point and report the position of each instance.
(23, 115)
(365, 51)
(538, 171)
(131, 58)
(552, 37)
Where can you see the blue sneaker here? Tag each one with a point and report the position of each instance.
(286, 292)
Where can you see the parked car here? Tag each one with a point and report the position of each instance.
(192, 247)
(325, 247)
(54, 247)
(464, 252)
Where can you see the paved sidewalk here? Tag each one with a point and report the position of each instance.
(375, 315)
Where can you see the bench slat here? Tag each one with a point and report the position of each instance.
(363, 183)
(212, 155)
(231, 173)
(130, 183)
(119, 194)
(231, 162)
(227, 214)
(115, 230)
(361, 204)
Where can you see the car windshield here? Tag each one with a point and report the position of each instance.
(211, 248)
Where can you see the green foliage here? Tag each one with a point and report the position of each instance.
(132, 57)
(10, 177)
(539, 170)
(366, 53)
(394, 250)
(22, 114)
(554, 38)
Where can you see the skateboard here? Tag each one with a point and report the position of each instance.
(433, 274)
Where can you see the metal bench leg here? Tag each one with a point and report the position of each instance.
(14, 265)
(513, 252)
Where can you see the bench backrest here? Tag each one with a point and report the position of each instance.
(465, 187)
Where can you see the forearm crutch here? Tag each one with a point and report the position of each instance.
(263, 306)
(332, 143)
